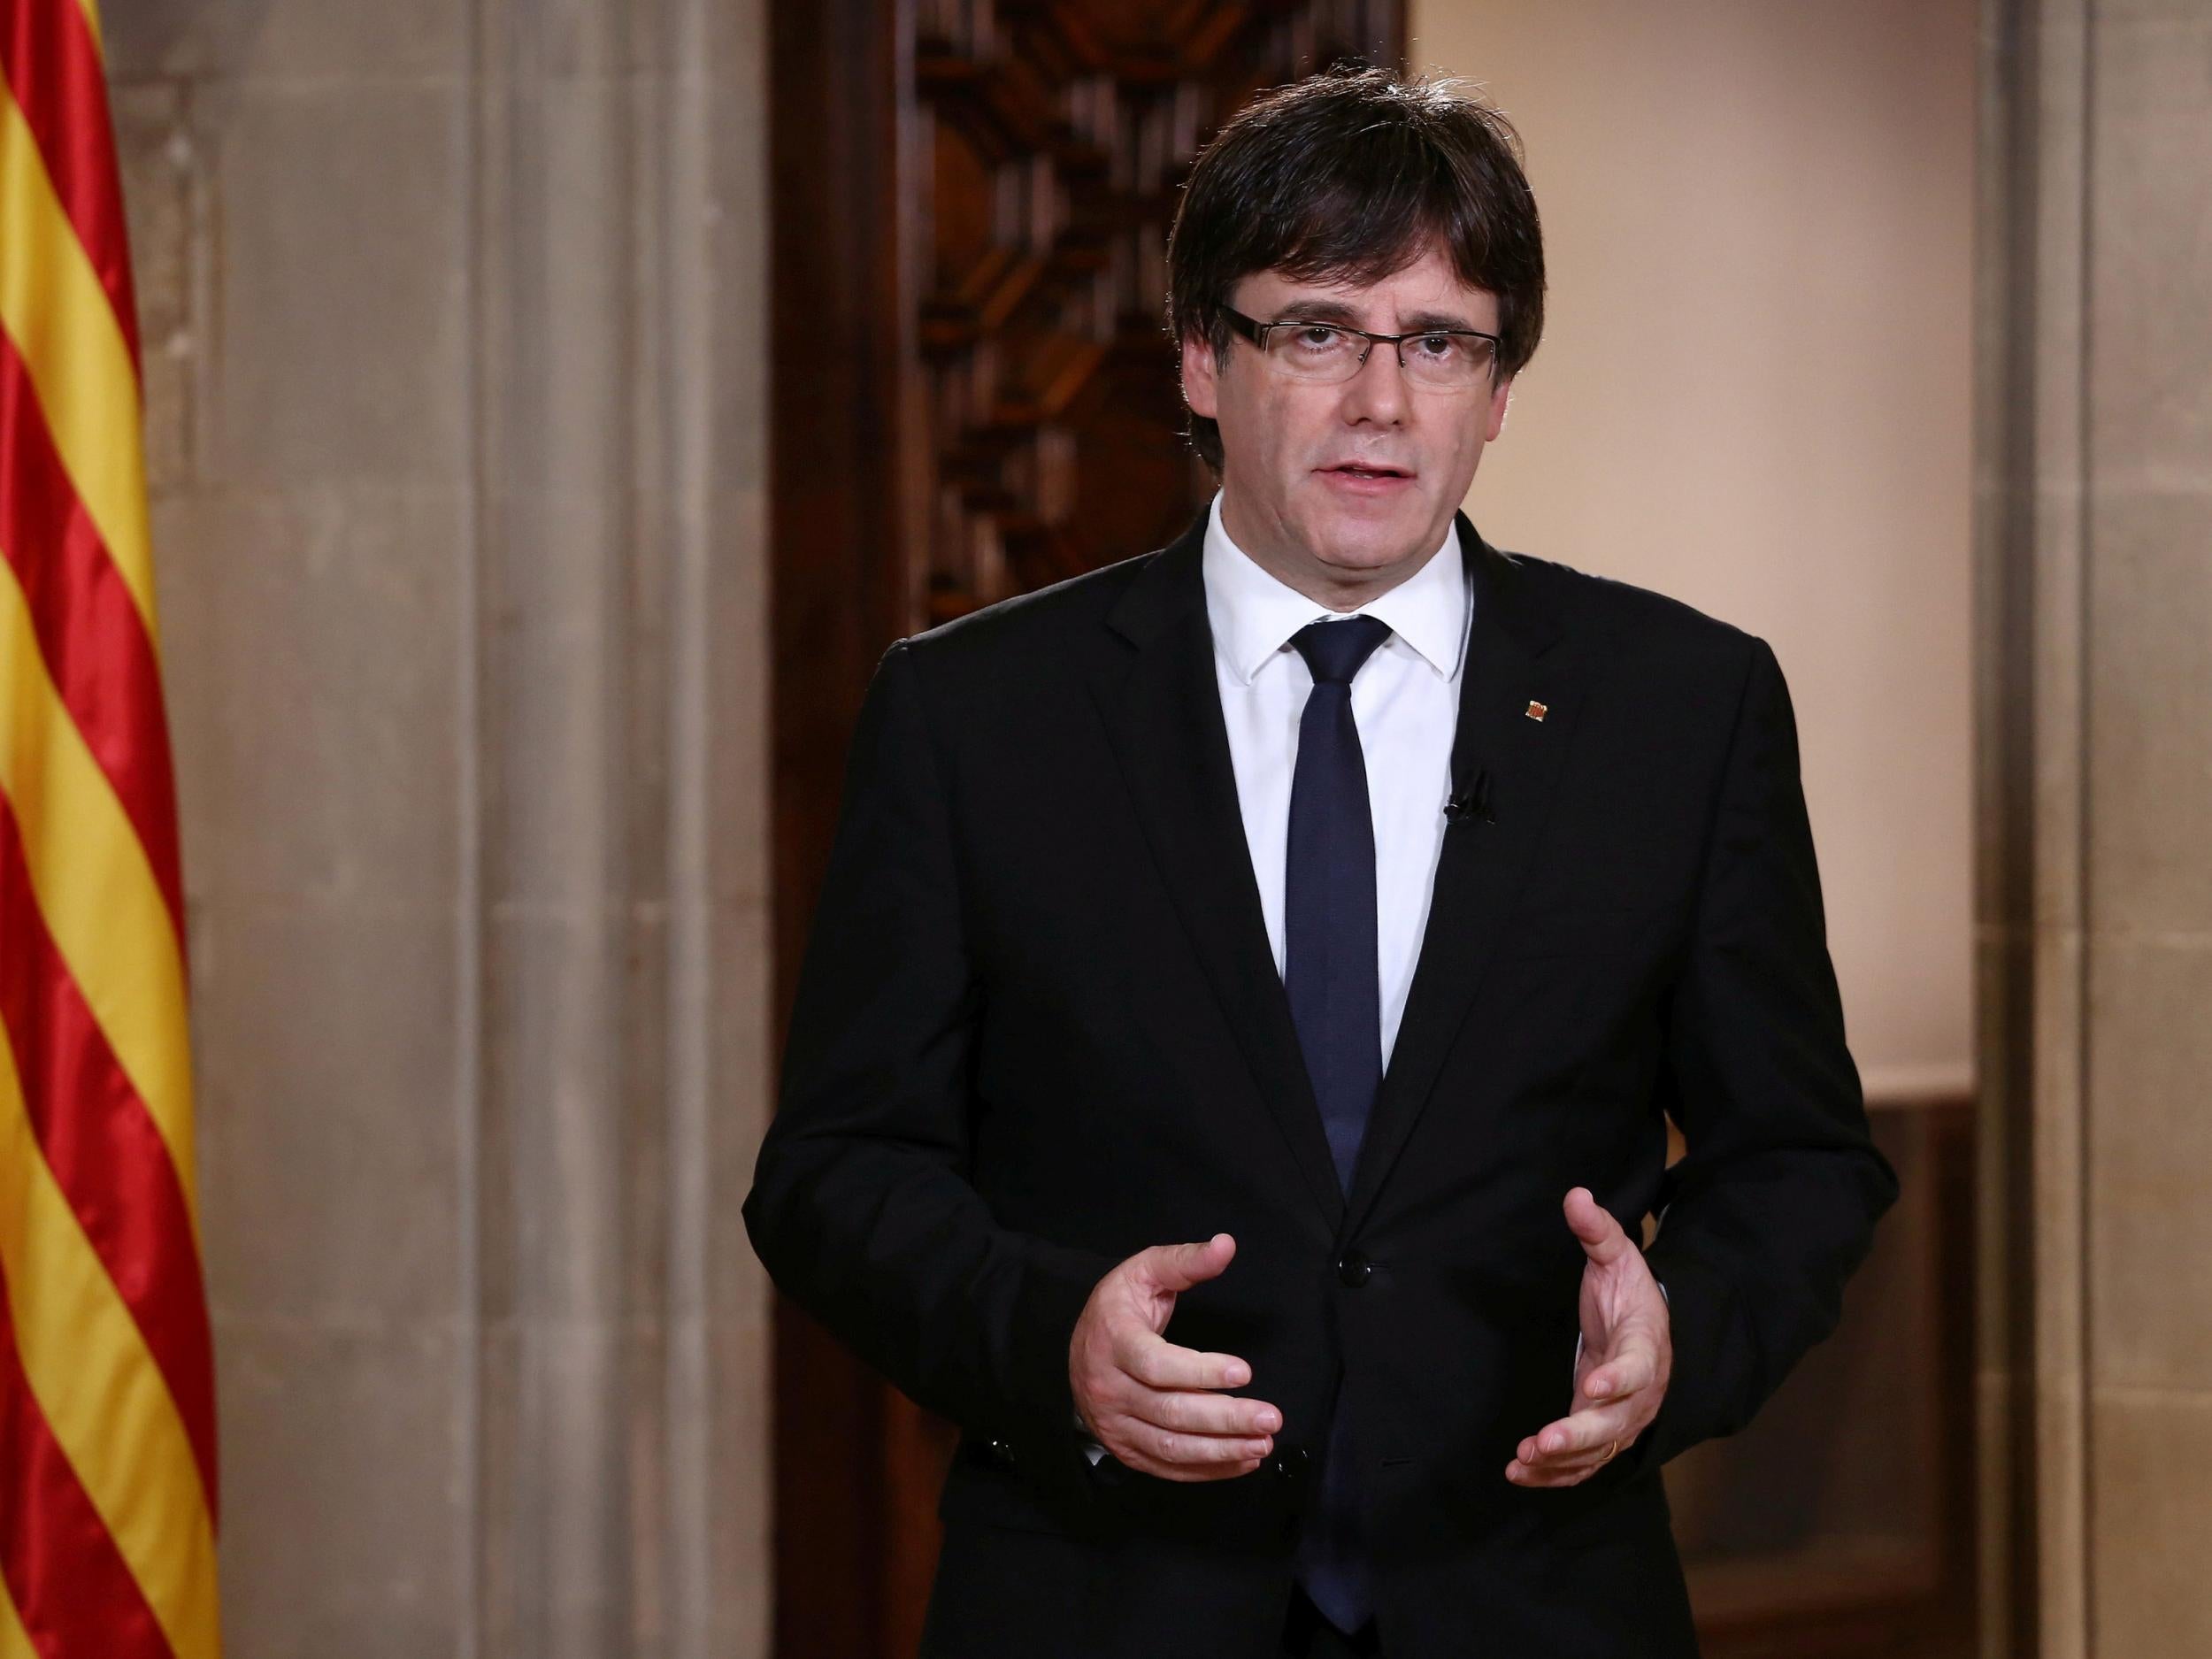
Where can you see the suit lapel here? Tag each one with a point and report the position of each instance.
(1513, 762)
(1162, 706)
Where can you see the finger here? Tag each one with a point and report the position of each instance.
(1174, 1447)
(1181, 1266)
(1195, 1472)
(1584, 1432)
(1569, 1438)
(1158, 1362)
(1635, 1368)
(1572, 1463)
(1600, 1235)
(1204, 1413)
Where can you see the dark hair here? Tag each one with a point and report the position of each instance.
(1350, 176)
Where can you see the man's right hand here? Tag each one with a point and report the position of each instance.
(1150, 1403)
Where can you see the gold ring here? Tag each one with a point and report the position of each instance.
(1611, 1447)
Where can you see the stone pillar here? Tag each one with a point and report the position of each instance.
(2096, 907)
(455, 323)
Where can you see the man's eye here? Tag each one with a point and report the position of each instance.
(1436, 345)
(1317, 337)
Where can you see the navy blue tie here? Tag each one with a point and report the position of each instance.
(1330, 973)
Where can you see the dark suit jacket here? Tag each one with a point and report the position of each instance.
(1039, 1028)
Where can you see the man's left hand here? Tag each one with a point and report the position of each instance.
(1627, 1356)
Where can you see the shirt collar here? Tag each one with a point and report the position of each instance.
(1254, 615)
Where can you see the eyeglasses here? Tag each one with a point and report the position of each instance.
(1440, 359)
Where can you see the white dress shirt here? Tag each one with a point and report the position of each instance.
(1405, 702)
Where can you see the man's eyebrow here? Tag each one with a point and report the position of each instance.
(1420, 320)
(1316, 307)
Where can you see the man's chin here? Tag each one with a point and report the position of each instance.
(1362, 546)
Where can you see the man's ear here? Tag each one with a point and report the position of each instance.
(1200, 377)
(1501, 398)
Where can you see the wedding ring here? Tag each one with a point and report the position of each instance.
(1611, 1447)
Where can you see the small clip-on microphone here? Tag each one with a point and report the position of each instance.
(1472, 803)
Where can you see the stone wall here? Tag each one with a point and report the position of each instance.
(2095, 908)
(455, 361)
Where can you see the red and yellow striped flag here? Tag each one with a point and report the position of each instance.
(107, 1409)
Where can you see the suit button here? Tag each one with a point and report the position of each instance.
(1289, 1463)
(1000, 1453)
(1352, 1270)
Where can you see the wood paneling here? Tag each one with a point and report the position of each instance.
(1840, 1523)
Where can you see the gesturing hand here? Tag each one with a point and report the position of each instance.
(1627, 1356)
(1150, 1402)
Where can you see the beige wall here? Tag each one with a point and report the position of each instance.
(1753, 395)
(455, 400)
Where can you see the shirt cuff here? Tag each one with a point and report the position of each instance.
(1091, 1449)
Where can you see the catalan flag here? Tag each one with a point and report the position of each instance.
(107, 1411)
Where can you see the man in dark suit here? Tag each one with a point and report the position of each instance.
(1252, 983)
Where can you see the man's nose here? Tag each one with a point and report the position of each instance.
(1377, 392)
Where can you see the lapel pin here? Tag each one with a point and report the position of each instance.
(1536, 711)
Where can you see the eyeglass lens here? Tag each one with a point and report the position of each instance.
(1317, 351)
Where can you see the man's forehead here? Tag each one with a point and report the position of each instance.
(1427, 285)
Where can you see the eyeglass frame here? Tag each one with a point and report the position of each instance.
(1257, 332)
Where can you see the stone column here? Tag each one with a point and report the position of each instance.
(2095, 703)
(456, 378)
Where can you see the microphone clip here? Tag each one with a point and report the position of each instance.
(1472, 804)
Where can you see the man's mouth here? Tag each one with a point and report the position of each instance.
(1369, 479)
